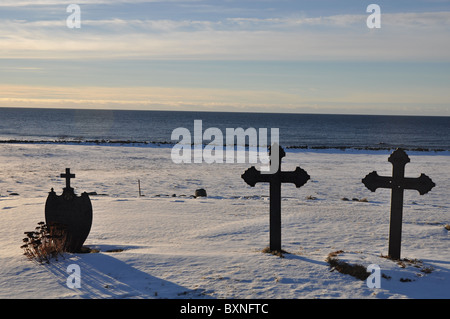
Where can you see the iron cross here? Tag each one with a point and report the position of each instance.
(298, 177)
(398, 183)
(68, 176)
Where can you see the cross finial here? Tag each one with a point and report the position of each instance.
(399, 157)
(68, 176)
(281, 152)
(276, 157)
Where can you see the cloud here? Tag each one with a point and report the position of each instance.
(203, 99)
(414, 36)
(22, 3)
(21, 95)
(219, 30)
(418, 21)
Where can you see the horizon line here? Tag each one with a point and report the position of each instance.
(214, 111)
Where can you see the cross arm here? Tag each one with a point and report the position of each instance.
(299, 177)
(422, 184)
(252, 176)
(373, 181)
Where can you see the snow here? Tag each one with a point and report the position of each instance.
(168, 244)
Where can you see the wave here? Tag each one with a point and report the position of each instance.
(137, 143)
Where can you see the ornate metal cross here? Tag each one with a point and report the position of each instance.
(298, 177)
(68, 176)
(398, 183)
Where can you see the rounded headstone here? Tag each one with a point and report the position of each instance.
(200, 193)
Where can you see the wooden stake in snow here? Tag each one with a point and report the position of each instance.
(139, 185)
(398, 183)
(298, 177)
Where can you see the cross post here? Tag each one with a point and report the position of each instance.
(397, 183)
(298, 177)
(68, 176)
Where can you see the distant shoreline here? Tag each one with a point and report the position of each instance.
(159, 144)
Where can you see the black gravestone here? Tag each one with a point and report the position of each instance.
(298, 177)
(397, 183)
(72, 212)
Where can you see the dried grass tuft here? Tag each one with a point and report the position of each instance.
(357, 271)
(45, 242)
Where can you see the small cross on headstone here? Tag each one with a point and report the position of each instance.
(398, 183)
(298, 177)
(68, 176)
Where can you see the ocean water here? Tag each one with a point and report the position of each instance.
(314, 131)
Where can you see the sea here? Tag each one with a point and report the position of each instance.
(296, 131)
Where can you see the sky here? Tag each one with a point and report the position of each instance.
(246, 56)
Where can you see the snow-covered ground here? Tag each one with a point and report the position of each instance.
(177, 246)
